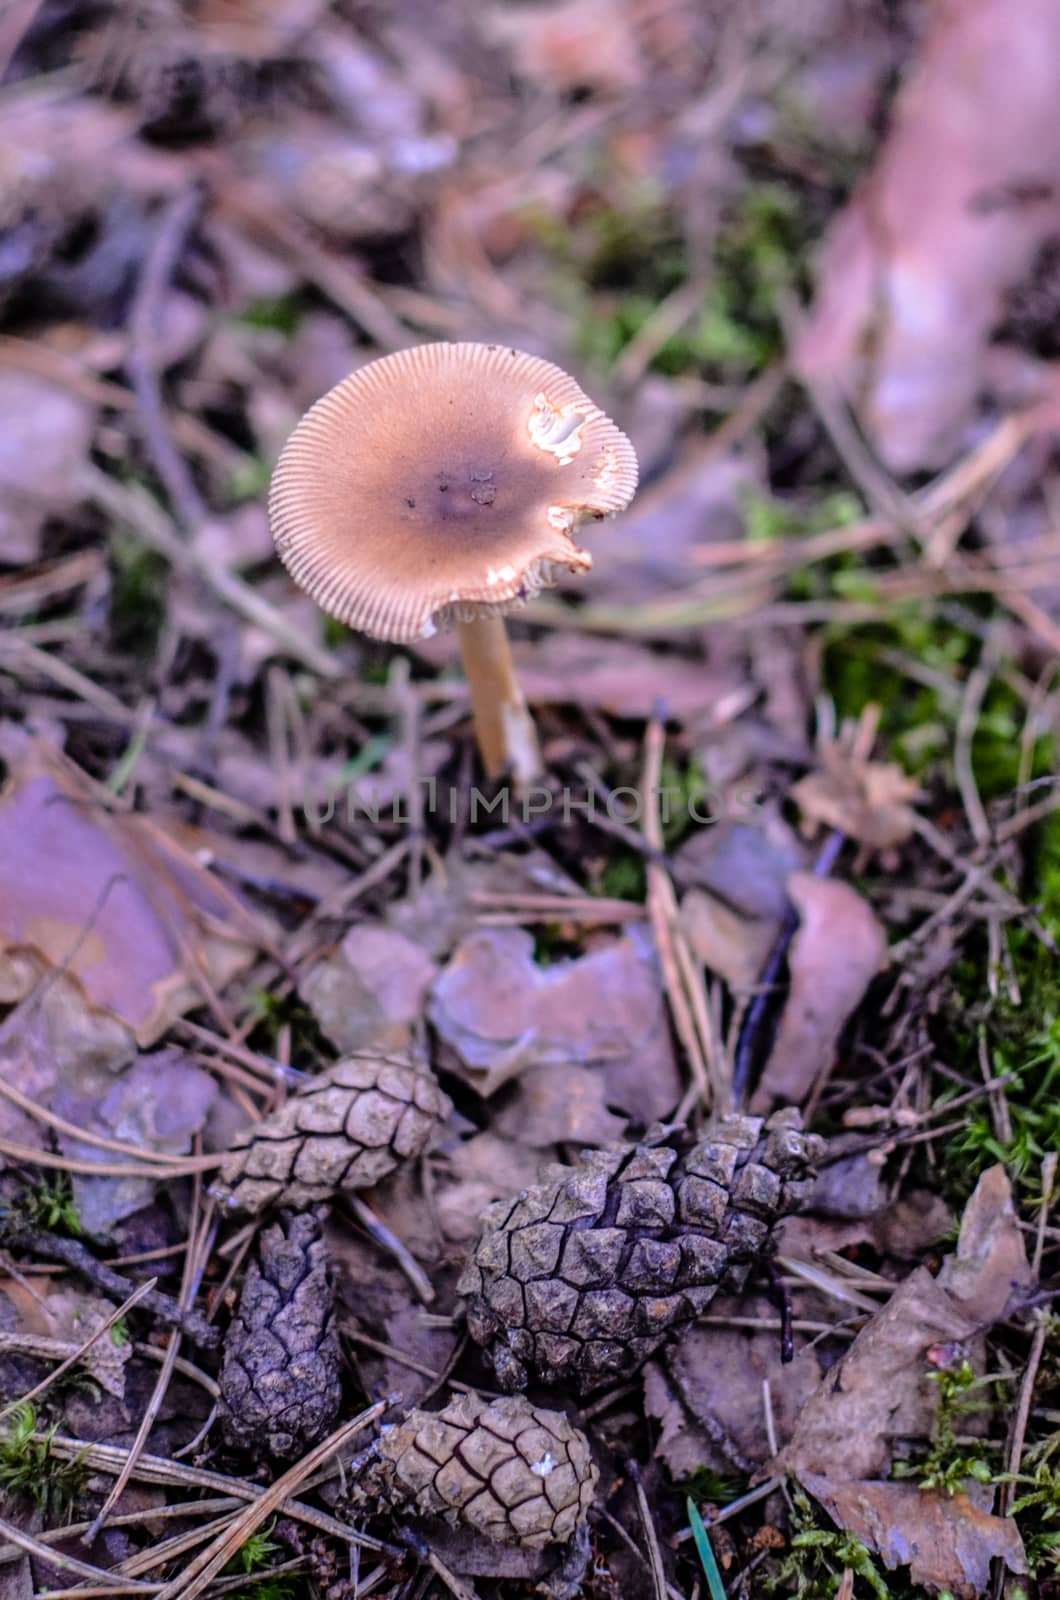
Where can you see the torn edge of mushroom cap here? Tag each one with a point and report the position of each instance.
(442, 484)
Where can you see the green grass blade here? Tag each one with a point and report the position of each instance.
(706, 1551)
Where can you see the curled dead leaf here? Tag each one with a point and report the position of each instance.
(503, 1015)
(871, 801)
(879, 1396)
(371, 991)
(915, 269)
(838, 950)
(110, 899)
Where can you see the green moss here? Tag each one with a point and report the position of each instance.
(249, 479)
(863, 663)
(46, 1203)
(29, 1472)
(277, 314)
(612, 269)
(1036, 1506)
(818, 1557)
(623, 878)
(138, 589)
(948, 1463)
(766, 518)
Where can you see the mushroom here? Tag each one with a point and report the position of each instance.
(442, 485)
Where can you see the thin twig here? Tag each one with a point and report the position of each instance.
(388, 1240)
(663, 910)
(963, 766)
(157, 1469)
(65, 1563)
(75, 1255)
(202, 1571)
(141, 360)
(651, 1537)
(82, 1349)
(133, 506)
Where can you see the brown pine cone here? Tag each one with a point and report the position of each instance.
(501, 1468)
(349, 1128)
(280, 1387)
(582, 1277)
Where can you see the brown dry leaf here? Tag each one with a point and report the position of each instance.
(736, 874)
(744, 864)
(372, 991)
(109, 898)
(504, 1015)
(902, 1232)
(915, 270)
(75, 1317)
(706, 1391)
(838, 950)
(158, 1104)
(849, 1204)
(990, 1265)
(70, 1316)
(879, 1394)
(869, 800)
(618, 676)
(571, 44)
(569, 1102)
(477, 1172)
(734, 946)
(947, 1542)
(44, 443)
(446, 909)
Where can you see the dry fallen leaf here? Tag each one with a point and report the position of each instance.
(879, 1397)
(869, 800)
(706, 1391)
(571, 44)
(158, 1104)
(44, 443)
(371, 991)
(947, 1542)
(110, 899)
(878, 1394)
(915, 269)
(474, 1174)
(837, 951)
(735, 947)
(736, 875)
(504, 1015)
(618, 676)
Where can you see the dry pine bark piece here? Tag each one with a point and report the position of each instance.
(280, 1386)
(582, 1277)
(503, 1468)
(349, 1128)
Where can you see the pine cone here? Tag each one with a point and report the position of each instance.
(349, 1128)
(500, 1468)
(584, 1276)
(280, 1385)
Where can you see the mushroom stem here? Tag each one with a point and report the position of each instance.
(504, 728)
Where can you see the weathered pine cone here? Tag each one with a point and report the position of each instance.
(349, 1128)
(501, 1468)
(582, 1277)
(280, 1388)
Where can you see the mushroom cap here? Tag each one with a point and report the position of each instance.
(444, 483)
